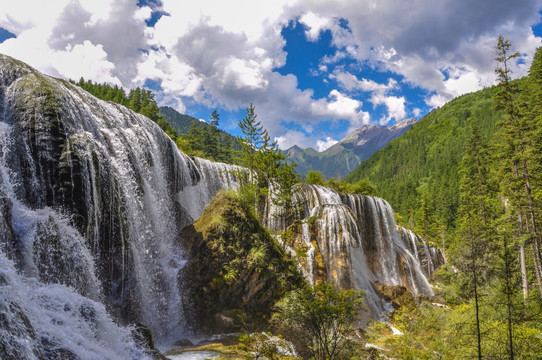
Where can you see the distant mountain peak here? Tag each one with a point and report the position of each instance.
(341, 158)
(403, 123)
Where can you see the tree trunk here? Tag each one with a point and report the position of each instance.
(508, 297)
(524, 280)
(475, 280)
(536, 266)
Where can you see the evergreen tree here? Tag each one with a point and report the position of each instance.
(516, 157)
(213, 142)
(250, 143)
(476, 215)
(134, 99)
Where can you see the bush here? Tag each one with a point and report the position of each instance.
(319, 318)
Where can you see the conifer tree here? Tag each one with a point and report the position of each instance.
(476, 215)
(251, 142)
(517, 134)
(213, 143)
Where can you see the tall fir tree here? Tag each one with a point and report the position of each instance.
(516, 157)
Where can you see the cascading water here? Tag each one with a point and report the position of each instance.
(94, 197)
(429, 257)
(359, 243)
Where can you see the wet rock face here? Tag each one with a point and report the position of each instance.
(7, 236)
(14, 322)
(398, 296)
(93, 195)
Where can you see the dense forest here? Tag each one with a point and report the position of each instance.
(468, 177)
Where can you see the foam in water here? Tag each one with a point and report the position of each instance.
(48, 321)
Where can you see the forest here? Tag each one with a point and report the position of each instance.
(468, 179)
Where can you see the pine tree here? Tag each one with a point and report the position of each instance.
(213, 143)
(250, 143)
(476, 215)
(517, 134)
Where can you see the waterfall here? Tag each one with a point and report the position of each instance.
(95, 197)
(429, 257)
(359, 243)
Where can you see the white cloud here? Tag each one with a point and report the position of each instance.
(208, 52)
(325, 144)
(394, 105)
(51, 34)
(87, 60)
(293, 137)
(314, 25)
(339, 106)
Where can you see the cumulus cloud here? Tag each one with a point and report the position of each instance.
(211, 53)
(325, 144)
(102, 38)
(395, 105)
(294, 137)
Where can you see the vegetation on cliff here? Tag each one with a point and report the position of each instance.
(237, 269)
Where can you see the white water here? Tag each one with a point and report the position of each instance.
(359, 242)
(60, 318)
(135, 191)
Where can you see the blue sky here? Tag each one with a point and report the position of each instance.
(314, 69)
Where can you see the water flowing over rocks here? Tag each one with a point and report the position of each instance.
(93, 200)
(353, 241)
(93, 196)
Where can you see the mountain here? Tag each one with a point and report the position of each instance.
(340, 159)
(426, 158)
(180, 122)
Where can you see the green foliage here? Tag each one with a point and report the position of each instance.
(314, 178)
(426, 158)
(320, 318)
(431, 332)
(365, 187)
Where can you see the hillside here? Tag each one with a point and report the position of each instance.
(425, 159)
(340, 159)
(180, 122)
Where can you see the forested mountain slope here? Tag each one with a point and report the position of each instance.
(424, 162)
(343, 157)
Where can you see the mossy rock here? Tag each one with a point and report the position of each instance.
(237, 270)
(398, 295)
